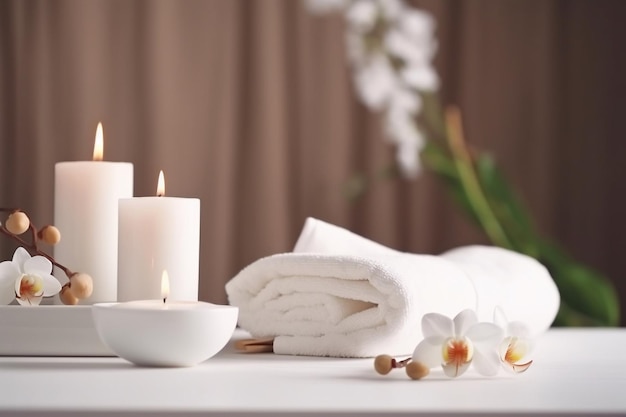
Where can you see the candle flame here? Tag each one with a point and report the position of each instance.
(98, 146)
(165, 286)
(161, 185)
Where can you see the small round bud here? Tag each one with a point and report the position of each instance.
(383, 364)
(81, 285)
(49, 234)
(17, 222)
(417, 370)
(67, 297)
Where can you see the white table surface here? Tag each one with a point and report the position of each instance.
(576, 372)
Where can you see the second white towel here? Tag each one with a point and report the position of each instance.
(517, 283)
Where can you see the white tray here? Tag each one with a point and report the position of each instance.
(49, 330)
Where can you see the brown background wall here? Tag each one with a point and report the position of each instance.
(249, 106)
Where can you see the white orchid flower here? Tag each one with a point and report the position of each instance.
(27, 279)
(391, 47)
(403, 132)
(325, 6)
(456, 344)
(419, 26)
(376, 82)
(361, 15)
(516, 346)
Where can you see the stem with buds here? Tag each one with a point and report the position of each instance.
(32, 247)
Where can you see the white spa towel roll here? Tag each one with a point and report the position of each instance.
(347, 306)
(340, 294)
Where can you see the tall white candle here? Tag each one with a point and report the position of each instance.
(155, 234)
(86, 195)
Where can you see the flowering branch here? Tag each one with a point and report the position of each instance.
(51, 236)
(390, 47)
(34, 281)
(455, 345)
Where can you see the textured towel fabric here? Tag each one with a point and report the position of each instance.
(517, 283)
(318, 236)
(340, 294)
(335, 305)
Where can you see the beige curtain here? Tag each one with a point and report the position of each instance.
(249, 106)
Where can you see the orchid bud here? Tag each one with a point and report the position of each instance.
(17, 222)
(49, 234)
(417, 370)
(81, 285)
(67, 297)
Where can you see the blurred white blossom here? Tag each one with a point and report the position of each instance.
(325, 6)
(377, 82)
(361, 15)
(390, 46)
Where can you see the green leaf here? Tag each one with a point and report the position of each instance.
(432, 114)
(508, 204)
(439, 160)
(355, 187)
(587, 296)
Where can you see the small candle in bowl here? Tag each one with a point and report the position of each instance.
(163, 332)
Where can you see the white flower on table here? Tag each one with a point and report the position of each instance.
(516, 346)
(456, 344)
(27, 279)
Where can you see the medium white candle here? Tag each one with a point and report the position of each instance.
(155, 234)
(86, 195)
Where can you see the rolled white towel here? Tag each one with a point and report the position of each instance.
(347, 306)
(340, 294)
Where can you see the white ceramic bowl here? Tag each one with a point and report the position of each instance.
(150, 333)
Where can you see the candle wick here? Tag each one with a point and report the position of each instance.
(164, 298)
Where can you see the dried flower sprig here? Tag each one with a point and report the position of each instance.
(456, 344)
(383, 364)
(29, 286)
